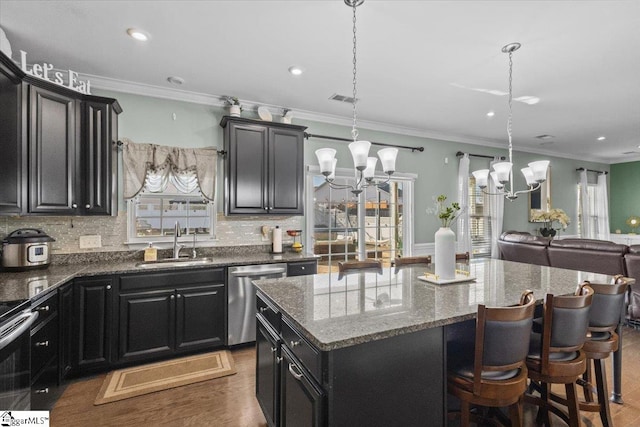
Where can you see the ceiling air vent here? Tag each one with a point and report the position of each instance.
(342, 98)
(630, 152)
(545, 137)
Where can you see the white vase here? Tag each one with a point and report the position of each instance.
(445, 253)
(234, 110)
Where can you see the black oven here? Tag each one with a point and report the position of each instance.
(15, 346)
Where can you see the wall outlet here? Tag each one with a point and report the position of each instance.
(91, 241)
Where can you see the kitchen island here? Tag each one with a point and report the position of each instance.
(373, 348)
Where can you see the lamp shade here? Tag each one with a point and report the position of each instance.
(370, 171)
(388, 159)
(360, 152)
(503, 170)
(332, 175)
(325, 160)
(528, 175)
(539, 169)
(481, 176)
(494, 177)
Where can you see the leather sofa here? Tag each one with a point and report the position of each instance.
(598, 256)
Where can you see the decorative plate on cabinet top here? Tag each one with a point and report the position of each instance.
(264, 114)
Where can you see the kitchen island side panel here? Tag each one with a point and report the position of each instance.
(398, 381)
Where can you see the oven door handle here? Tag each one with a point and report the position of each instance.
(24, 325)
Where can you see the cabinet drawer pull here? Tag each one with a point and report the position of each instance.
(172, 297)
(108, 287)
(87, 206)
(266, 208)
(274, 349)
(294, 343)
(302, 268)
(296, 375)
(45, 308)
(179, 295)
(74, 205)
(263, 309)
(278, 360)
(42, 344)
(43, 390)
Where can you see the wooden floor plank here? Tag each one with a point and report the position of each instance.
(230, 401)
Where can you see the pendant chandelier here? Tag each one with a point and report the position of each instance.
(502, 173)
(364, 165)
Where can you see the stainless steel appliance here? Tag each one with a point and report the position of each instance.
(241, 299)
(25, 249)
(15, 361)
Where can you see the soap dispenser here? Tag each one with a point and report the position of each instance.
(150, 253)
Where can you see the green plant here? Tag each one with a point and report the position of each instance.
(446, 214)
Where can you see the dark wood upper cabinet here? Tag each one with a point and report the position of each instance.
(13, 162)
(60, 153)
(264, 167)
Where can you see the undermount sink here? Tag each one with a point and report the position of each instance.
(173, 262)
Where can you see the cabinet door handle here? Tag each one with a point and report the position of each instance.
(301, 268)
(172, 297)
(263, 309)
(296, 375)
(87, 206)
(266, 208)
(179, 296)
(74, 205)
(45, 308)
(108, 287)
(42, 344)
(294, 343)
(43, 390)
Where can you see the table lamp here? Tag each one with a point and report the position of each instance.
(633, 222)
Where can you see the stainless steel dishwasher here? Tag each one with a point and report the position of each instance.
(241, 299)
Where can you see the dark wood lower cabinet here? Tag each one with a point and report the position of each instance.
(268, 371)
(300, 399)
(67, 349)
(200, 317)
(147, 321)
(94, 306)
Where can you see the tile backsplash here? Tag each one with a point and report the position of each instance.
(230, 231)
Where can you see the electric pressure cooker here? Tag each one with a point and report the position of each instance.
(25, 249)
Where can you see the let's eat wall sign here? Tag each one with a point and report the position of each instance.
(46, 71)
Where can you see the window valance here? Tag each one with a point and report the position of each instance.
(151, 163)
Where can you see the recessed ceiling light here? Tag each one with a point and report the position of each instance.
(295, 70)
(601, 138)
(138, 34)
(175, 80)
(491, 114)
(531, 100)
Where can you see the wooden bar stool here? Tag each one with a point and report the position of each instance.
(345, 267)
(602, 340)
(400, 263)
(556, 355)
(463, 256)
(493, 373)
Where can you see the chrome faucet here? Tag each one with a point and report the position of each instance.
(176, 246)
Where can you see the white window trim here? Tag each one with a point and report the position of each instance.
(407, 180)
(166, 242)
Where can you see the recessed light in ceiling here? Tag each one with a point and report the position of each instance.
(491, 114)
(175, 80)
(137, 34)
(602, 138)
(295, 70)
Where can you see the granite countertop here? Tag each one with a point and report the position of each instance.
(34, 284)
(334, 313)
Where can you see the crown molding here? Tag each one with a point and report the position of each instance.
(143, 89)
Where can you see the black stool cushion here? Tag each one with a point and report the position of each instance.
(535, 345)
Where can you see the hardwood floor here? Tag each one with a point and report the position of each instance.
(230, 401)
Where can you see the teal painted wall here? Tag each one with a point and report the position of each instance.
(624, 199)
(147, 119)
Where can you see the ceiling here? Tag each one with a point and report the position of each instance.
(424, 67)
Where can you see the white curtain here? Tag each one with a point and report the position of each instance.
(602, 207)
(585, 212)
(464, 226)
(496, 210)
(154, 165)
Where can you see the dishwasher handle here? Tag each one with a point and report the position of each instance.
(253, 273)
